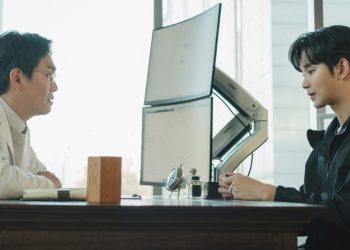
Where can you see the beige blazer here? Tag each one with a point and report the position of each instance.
(13, 178)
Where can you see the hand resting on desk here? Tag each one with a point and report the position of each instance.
(52, 177)
(241, 187)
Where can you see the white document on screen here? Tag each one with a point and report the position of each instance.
(175, 134)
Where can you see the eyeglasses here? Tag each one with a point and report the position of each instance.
(48, 73)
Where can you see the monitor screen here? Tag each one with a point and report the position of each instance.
(182, 59)
(173, 134)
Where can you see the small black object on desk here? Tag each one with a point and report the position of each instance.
(213, 192)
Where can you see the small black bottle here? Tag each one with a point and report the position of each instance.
(195, 186)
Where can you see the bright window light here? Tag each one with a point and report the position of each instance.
(101, 51)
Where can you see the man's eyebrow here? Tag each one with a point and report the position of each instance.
(53, 68)
(307, 65)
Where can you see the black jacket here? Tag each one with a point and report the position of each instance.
(326, 181)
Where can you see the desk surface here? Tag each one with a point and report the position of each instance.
(152, 221)
(155, 201)
(151, 210)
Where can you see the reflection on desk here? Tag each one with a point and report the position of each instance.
(153, 223)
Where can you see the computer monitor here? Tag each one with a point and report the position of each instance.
(182, 59)
(175, 134)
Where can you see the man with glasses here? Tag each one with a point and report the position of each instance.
(27, 84)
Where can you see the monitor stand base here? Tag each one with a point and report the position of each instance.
(213, 192)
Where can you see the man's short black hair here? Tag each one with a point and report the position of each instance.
(326, 45)
(22, 51)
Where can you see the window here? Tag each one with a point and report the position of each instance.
(101, 52)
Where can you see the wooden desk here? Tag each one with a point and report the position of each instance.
(153, 223)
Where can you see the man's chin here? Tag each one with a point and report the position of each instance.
(45, 111)
(318, 105)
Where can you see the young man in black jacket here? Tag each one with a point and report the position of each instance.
(323, 57)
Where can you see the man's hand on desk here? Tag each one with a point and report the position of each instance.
(52, 177)
(241, 187)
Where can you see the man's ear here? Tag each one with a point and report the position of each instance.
(15, 79)
(343, 69)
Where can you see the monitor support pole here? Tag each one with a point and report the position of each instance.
(246, 132)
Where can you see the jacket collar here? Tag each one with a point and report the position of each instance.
(15, 122)
(5, 129)
(345, 126)
(315, 136)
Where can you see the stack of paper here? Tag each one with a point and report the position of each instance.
(63, 194)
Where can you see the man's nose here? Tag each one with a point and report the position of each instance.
(305, 84)
(54, 87)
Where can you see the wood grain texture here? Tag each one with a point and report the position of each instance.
(153, 223)
(104, 179)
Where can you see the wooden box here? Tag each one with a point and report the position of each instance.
(104, 179)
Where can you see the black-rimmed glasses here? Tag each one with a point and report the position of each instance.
(48, 73)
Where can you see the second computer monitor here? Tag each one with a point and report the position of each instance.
(173, 135)
(182, 59)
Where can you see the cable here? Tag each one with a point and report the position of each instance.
(251, 163)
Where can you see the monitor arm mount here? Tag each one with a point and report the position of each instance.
(246, 132)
